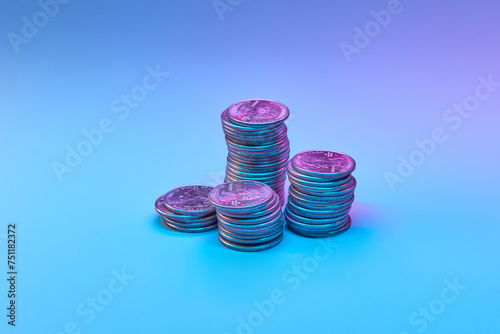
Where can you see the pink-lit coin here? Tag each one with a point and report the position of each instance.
(258, 112)
(240, 195)
(327, 164)
(189, 200)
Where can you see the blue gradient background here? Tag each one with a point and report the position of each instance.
(441, 223)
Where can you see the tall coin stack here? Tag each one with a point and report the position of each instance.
(249, 214)
(257, 142)
(320, 194)
(187, 209)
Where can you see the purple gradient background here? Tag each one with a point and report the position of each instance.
(441, 223)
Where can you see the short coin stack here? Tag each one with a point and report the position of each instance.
(320, 194)
(257, 142)
(249, 213)
(187, 209)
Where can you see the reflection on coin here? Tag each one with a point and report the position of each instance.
(258, 111)
(324, 163)
(240, 194)
(189, 200)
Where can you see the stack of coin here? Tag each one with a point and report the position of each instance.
(187, 209)
(320, 194)
(257, 142)
(249, 213)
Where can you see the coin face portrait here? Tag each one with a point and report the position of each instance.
(240, 194)
(318, 163)
(324, 162)
(192, 198)
(242, 197)
(189, 198)
(258, 112)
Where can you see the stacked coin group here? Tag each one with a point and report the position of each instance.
(187, 209)
(249, 213)
(320, 194)
(257, 142)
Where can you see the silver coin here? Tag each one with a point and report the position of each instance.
(251, 248)
(210, 222)
(191, 229)
(327, 164)
(226, 122)
(323, 187)
(277, 187)
(249, 220)
(314, 213)
(339, 191)
(278, 178)
(264, 209)
(318, 198)
(164, 212)
(314, 182)
(270, 147)
(279, 165)
(256, 135)
(307, 220)
(240, 195)
(264, 228)
(259, 160)
(320, 206)
(260, 156)
(315, 224)
(189, 200)
(258, 112)
(248, 240)
(322, 234)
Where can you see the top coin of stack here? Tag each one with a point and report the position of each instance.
(320, 194)
(187, 209)
(258, 147)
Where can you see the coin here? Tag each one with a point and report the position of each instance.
(335, 191)
(240, 195)
(250, 128)
(327, 164)
(247, 240)
(252, 219)
(252, 229)
(317, 198)
(249, 211)
(320, 206)
(189, 200)
(191, 229)
(187, 210)
(319, 234)
(251, 247)
(211, 222)
(336, 225)
(321, 193)
(257, 142)
(257, 112)
(312, 221)
(315, 213)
